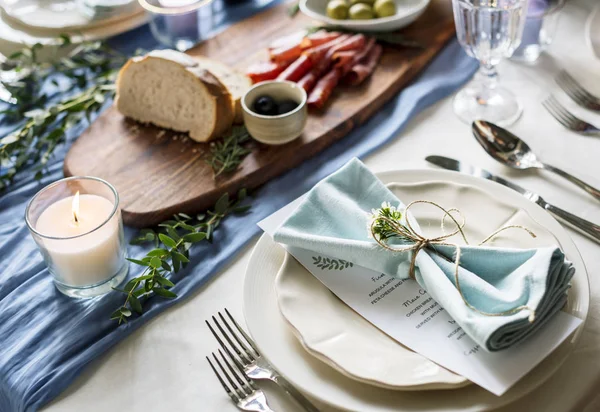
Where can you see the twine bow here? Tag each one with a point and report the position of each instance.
(420, 242)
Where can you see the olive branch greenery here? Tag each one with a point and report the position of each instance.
(43, 126)
(173, 240)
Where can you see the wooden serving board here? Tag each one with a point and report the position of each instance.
(158, 174)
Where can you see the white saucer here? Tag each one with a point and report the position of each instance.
(13, 35)
(276, 340)
(56, 14)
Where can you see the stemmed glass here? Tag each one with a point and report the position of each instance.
(488, 30)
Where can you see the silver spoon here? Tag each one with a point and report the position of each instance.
(511, 151)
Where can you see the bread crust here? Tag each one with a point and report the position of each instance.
(223, 101)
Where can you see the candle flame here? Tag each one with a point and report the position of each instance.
(75, 207)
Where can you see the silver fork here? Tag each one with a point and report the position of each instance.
(568, 120)
(244, 393)
(576, 91)
(248, 358)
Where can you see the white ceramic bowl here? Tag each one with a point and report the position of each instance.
(407, 11)
(282, 128)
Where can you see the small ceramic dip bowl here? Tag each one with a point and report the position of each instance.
(279, 128)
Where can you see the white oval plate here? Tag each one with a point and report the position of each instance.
(277, 342)
(407, 11)
(56, 14)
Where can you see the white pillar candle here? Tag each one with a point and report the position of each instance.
(93, 254)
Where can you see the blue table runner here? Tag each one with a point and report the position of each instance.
(47, 339)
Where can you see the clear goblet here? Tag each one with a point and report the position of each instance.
(488, 30)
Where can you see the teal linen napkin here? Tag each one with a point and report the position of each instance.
(333, 218)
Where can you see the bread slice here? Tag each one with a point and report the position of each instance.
(236, 82)
(171, 90)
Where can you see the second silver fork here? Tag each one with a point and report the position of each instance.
(567, 119)
(242, 350)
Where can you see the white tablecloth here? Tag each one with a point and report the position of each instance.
(162, 366)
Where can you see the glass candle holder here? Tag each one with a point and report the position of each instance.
(540, 27)
(77, 225)
(180, 24)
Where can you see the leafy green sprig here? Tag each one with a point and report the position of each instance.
(173, 240)
(228, 153)
(43, 127)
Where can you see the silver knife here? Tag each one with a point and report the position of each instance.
(584, 226)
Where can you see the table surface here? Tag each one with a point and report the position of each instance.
(162, 366)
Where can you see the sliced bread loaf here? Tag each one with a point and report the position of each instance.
(170, 89)
(237, 83)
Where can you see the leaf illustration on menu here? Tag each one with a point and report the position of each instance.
(326, 263)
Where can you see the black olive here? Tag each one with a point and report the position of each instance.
(287, 106)
(265, 105)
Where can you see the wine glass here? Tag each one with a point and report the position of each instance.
(488, 30)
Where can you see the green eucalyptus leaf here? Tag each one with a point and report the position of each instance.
(167, 241)
(138, 262)
(125, 312)
(135, 304)
(155, 262)
(180, 257)
(158, 252)
(164, 293)
(222, 204)
(165, 282)
(194, 237)
(173, 233)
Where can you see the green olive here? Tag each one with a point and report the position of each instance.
(361, 11)
(385, 8)
(369, 2)
(337, 9)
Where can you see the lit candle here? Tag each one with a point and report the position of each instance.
(81, 239)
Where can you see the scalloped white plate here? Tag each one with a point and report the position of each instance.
(276, 339)
(407, 11)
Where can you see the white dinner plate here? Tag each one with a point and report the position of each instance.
(56, 14)
(592, 31)
(407, 11)
(277, 342)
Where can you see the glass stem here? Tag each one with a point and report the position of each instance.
(489, 81)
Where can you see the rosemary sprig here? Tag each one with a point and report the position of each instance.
(393, 38)
(173, 240)
(229, 152)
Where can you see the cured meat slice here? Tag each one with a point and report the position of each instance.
(308, 81)
(259, 72)
(297, 69)
(364, 68)
(319, 95)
